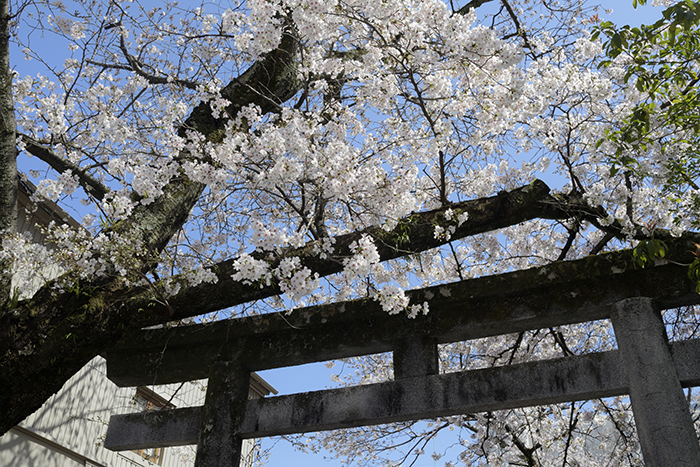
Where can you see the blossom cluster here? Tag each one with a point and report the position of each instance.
(250, 270)
(364, 257)
(296, 281)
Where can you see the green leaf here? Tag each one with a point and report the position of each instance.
(648, 251)
(672, 35)
(617, 40)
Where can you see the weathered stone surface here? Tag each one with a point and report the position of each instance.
(220, 442)
(415, 356)
(535, 383)
(661, 412)
(544, 382)
(157, 429)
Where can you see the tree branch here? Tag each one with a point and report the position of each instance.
(528, 453)
(470, 6)
(137, 67)
(90, 184)
(518, 28)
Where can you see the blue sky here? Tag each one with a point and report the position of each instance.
(317, 376)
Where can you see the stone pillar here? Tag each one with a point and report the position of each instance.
(227, 394)
(415, 356)
(661, 413)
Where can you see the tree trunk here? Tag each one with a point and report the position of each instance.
(8, 149)
(47, 339)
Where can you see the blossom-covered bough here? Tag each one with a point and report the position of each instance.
(259, 155)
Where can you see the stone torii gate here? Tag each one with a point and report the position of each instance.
(646, 366)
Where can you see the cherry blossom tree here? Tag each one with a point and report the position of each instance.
(246, 156)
